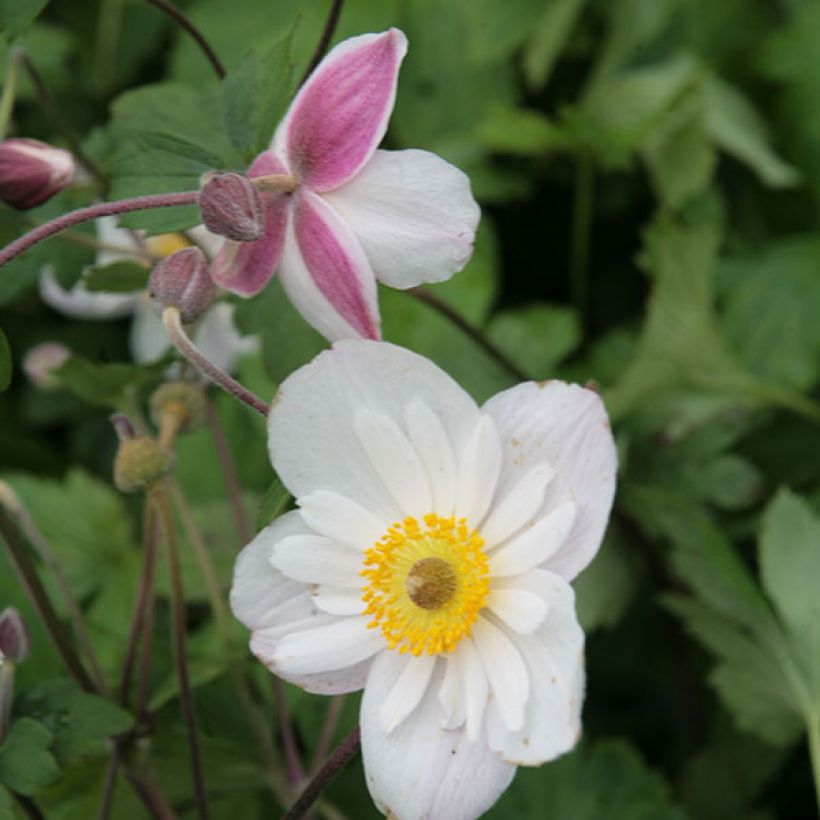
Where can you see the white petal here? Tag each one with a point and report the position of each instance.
(420, 770)
(478, 471)
(79, 303)
(312, 442)
(395, 461)
(414, 214)
(535, 545)
(565, 426)
(219, 340)
(211, 243)
(521, 611)
(505, 670)
(518, 507)
(336, 601)
(119, 244)
(341, 519)
(450, 695)
(313, 559)
(554, 658)
(337, 645)
(147, 340)
(409, 688)
(434, 449)
(475, 687)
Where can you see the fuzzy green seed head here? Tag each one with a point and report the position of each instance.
(139, 463)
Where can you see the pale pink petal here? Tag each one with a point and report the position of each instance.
(414, 214)
(566, 427)
(422, 770)
(340, 114)
(326, 274)
(246, 267)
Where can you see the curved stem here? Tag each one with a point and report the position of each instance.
(344, 753)
(331, 721)
(324, 39)
(178, 629)
(429, 298)
(122, 206)
(175, 14)
(286, 735)
(110, 785)
(182, 342)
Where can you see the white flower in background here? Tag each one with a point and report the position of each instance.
(430, 563)
(215, 334)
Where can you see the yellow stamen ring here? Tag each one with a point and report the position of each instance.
(426, 584)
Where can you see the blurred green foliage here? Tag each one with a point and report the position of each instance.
(649, 172)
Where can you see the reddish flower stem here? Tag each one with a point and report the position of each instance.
(122, 206)
(325, 38)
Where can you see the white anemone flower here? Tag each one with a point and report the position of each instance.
(215, 334)
(430, 563)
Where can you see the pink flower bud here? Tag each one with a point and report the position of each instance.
(181, 280)
(230, 206)
(32, 172)
(14, 638)
(42, 360)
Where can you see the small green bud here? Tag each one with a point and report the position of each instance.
(139, 463)
(183, 399)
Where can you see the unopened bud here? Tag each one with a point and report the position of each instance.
(181, 280)
(139, 463)
(41, 362)
(230, 206)
(32, 172)
(183, 401)
(14, 637)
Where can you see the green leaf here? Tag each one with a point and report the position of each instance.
(737, 127)
(536, 337)
(118, 277)
(493, 30)
(108, 385)
(17, 15)
(606, 781)
(277, 499)
(550, 35)
(79, 722)
(790, 569)
(6, 810)
(255, 96)
(26, 764)
(5, 361)
(521, 131)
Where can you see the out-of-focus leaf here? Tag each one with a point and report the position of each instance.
(5, 361)
(109, 385)
(550, 35)
(737, 127)
(79, 722)
(26, 764)
(17, 15)
(790, 569)
(536, 337)
(255, 95)
(6, 811)
(494, 29)
(605, 781)
(118, 277)
(520, 131)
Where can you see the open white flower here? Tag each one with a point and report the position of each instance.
(215, 333)
(429, 562)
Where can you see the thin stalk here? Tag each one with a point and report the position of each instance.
(469, 329)
(62, 124)
(9, 90)
(325, 38)
(47, 555)
(292, 761)
(109, 27)
(29, 807)
(581, 230)
(814, 752)
(42, 603)
(344, 753)
(110, 785)
(198, 37)
(178, 626)
(331, 721)
(6, 695)
(229, 472)
(154, 800)
(182, 342)
(122, 206)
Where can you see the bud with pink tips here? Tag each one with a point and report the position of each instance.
(32, 172)
(230, 206)
(182, 280)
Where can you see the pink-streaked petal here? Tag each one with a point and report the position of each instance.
(414, 214)
(340, 114)
(326, 274)
(245, 268)
(566, 427)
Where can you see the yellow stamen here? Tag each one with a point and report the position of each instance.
(426, 584)
(167, 243)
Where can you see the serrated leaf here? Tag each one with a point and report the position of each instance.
(26, 764)
(255, 95)
(118, 277)
(5, 361)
